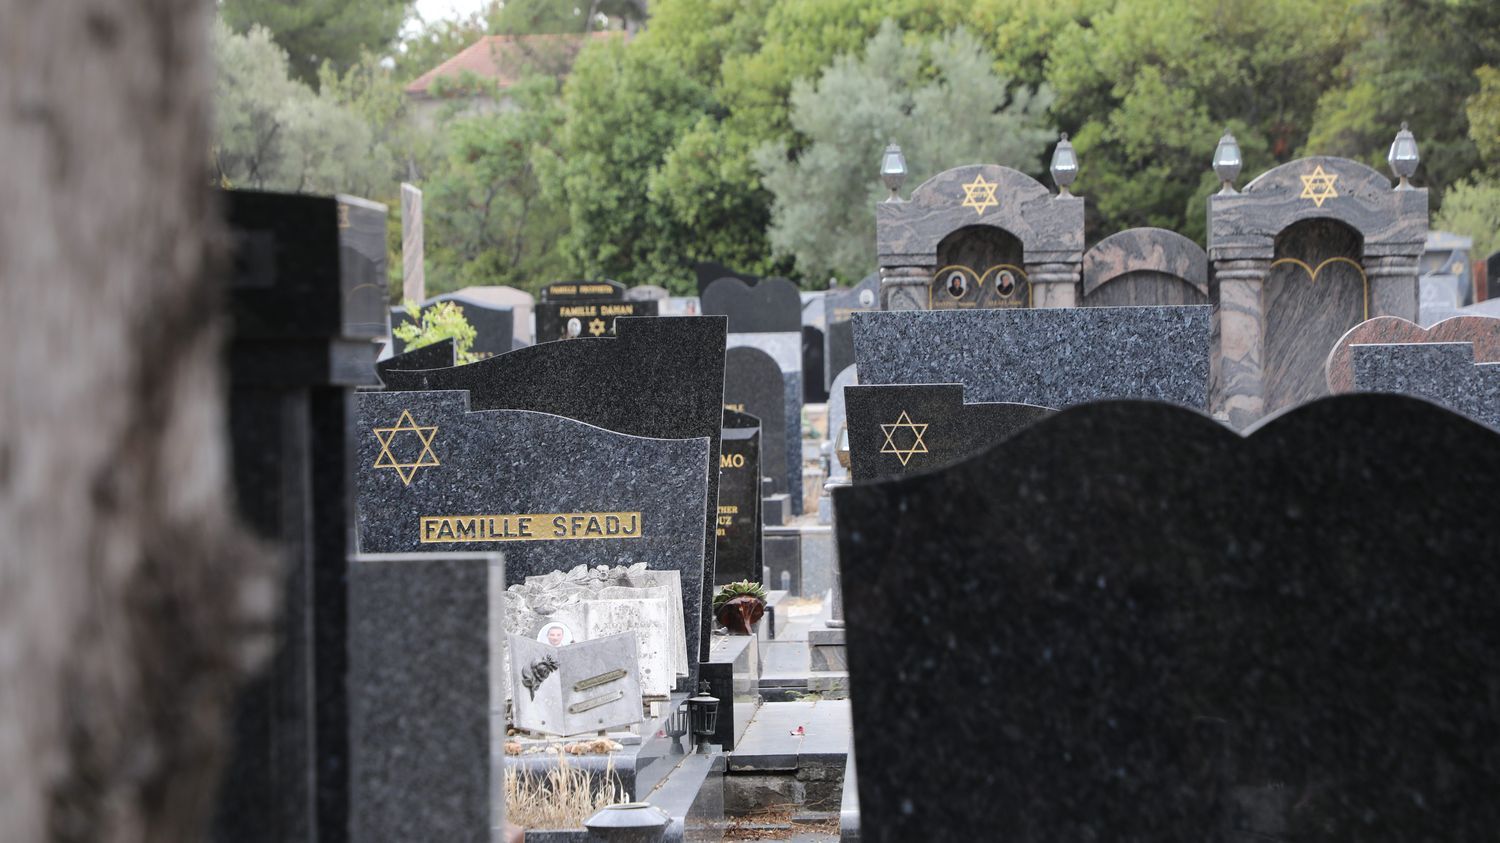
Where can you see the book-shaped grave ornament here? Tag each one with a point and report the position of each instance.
(590, 686)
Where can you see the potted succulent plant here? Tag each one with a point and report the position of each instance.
(739, 605)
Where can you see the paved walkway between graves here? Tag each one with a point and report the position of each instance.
(771, 742)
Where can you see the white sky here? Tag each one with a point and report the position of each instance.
(432, 10)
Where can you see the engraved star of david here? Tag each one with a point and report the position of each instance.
(917, 446)
(405, 424)
(1319, 186)
(980, 195)
(596, 327)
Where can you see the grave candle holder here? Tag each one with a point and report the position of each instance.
(1064, 165)
(703, 710)
(893, 170)
(1227, 162)
(1403, 157)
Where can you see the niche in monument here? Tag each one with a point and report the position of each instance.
(1145, 267)
(979, 266)
(1315, 292)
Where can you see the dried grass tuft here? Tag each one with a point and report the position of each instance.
(561, 798)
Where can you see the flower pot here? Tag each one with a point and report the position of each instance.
(740, 614)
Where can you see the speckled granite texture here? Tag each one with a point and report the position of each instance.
(1482, 331)
(1444, 373)
(659, 377)
(436, 356)
(739, 525)
(419, 700)
(513, 462)
(1135, 625)
(929, 426)
(1050, 357)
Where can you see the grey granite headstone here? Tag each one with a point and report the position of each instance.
(422, 727)
(739, 524)
(771, 305)
(839, 307)
(1134, 624)
(1054, 357)
(1441, 372)
(899, 430)
(550, 492)
(754, 384)
(661, 378)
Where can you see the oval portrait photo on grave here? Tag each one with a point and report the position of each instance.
(556, 633)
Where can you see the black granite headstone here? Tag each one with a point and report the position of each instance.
(708, 272)
(839, 307)
(1492, 276)
(1129, 623)
(814, 388)
(662, 378)
(899, 430)
(773, 304)
(739, 528)
(572, 309)
(439, 355)
(301, 311)
(753, 384)
(550, 492)
(494, 327)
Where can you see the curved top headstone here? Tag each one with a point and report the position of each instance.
(1145, 250)
(1482, 331)
(710, 271)
(1129, 623)
(1244, 225)
(439, 355)
(1049, 227)
(772, 305)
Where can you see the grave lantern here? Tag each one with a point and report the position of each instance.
(1064, 165)
(1403, 157)
(703, 710)
(893, 169)
(1227, 162)
(677, 726)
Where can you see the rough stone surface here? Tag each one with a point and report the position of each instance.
(1482, 331)
(419, 700)
(1188, 635)
(662, 378)
(1441, 372)
(770, 305)
(898, 430)
(510, 462)
(1048, 357)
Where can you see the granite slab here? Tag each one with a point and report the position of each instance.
(754, 384)
(1189, 635)
(738, 556)
(899, 430)
(662, 378)
(785, 349)
(769, 305)
(838, 332)
(436, 356)
(551, 492)
(1482, 331)
(1441, 372)
(1054, 357)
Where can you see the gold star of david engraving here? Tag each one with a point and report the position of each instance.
(917, 446)
(386, 435)
(980, 195)
(1319, 186)
(596, 327)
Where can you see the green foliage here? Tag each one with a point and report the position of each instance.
(1483, 110)
(743, 588)
(442, 321)
(1472, 208)
(941, 100)
(316, 31)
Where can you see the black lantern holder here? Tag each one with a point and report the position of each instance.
(703, 711)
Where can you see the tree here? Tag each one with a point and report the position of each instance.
(942, 101)
(134, 601)
(1471, 206)
(316, 31)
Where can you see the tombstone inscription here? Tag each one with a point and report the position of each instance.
(905, 429)
(660, 378)
(1262, 660)
(590, 686)
(572, 309)
(739, 525)
(550, 492)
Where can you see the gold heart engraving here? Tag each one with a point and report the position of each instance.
(1312, 273)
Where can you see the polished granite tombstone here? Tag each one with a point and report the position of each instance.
(439, 355)
(661, 377)
(589, 306)
(362, 262)
(754, 384)
(548, 491)
(839, 307)
(771, 305)
(1053, 357)
(814, 379)
(1149, 628)
(494, 327)
(1441, 372)
(738, 556)
(421, 728)
(1482, 331)
(896, 430)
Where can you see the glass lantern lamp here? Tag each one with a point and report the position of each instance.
(1403, 157)
(1227, 162)
(1064, 165)
(703, 711)
(893, 170)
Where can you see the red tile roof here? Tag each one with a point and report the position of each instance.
(505, 59)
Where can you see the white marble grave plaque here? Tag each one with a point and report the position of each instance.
(589, 686)
(646, 619)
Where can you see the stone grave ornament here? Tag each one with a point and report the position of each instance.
(1054, 357)
(1145, 267)
(1188, 635)
(590, 686)
(550, 492)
